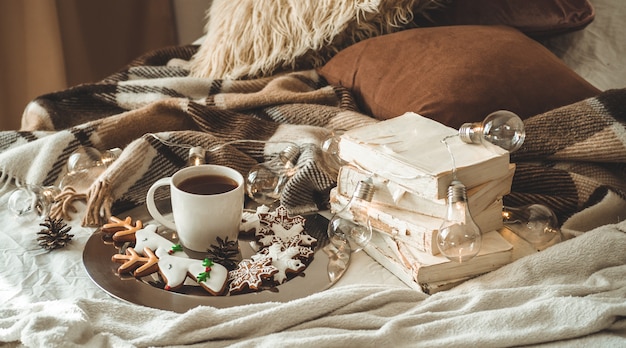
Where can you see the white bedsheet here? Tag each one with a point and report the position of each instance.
(30, 274)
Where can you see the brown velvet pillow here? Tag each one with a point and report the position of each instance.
(455, 74)
(532, 17)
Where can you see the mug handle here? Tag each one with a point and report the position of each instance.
(152, 208)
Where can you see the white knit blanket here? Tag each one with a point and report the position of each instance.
(572, 294)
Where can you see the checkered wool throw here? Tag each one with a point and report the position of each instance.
(573, 156)
(154, 111)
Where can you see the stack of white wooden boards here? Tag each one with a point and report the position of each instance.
(411, 168)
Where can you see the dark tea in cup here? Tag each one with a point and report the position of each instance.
(207, 184)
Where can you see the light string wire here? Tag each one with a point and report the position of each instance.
(445, 142)
(383, 173)
(219, 146)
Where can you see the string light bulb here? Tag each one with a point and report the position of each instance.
(351, 227)
(502, 128)
(459, 239)
(535, 223)
(196, 156)
(32, 202)
(265, 181)
(86, 163)
(86, 157)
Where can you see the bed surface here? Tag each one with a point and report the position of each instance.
(48, 299)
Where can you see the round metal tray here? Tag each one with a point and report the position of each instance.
(322, 272)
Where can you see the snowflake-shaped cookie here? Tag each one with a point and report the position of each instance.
(284, 259)
(281, 216)
(250, 221)
(249, 274)
(278, 226)
(305, 252)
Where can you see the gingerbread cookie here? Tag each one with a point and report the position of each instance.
(250, 221)
(278, 226)
(148, 237)
(122, 230)
(305, 252)
(174, 270)
(137, 265)
(250, 274)
(284, 259)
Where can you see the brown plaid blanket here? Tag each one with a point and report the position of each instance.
(573, 156)
(154, 111)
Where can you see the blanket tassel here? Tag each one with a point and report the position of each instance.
(99, 203)
(64, 203)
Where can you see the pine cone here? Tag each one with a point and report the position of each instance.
(55, 234)
(225, 253)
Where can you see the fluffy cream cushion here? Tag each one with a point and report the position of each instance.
(254, 38)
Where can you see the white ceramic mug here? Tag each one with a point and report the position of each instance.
(200, 218)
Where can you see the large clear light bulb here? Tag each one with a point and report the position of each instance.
(502, 128)
(265, 181)
(459, 238)
(535, 223)
(350, 228)
(32, 202)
